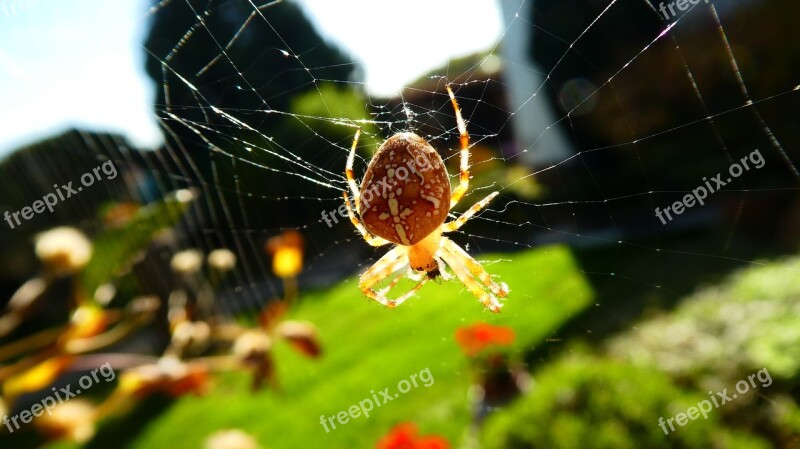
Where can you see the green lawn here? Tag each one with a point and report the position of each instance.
(368, 347)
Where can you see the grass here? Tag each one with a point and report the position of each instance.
(368, 347)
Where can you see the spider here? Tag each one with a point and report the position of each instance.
(410, 211)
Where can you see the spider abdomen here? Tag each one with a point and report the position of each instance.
(405, 194)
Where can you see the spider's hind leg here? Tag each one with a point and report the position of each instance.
(441, 272)
(413, 275)
(391, 262)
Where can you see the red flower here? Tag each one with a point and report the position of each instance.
(401, 437)
(432, 443)
(477, 337)
(404, 436)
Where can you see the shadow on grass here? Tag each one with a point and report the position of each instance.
(122, 432)
(632, 281)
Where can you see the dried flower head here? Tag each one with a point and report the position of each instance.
(105, 294)
(302, 336)
(231, 439)
(194, 333)
(222, 260)
(73, 420)
(187, 262)
(142, 305)
(251, 344)
(63, 250)
(169, 375)
(120, 214)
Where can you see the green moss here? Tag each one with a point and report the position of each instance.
(750, 322)
(584, 401)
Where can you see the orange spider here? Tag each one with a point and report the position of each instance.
(406, 199)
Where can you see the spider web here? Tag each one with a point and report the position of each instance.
(586, 116)
(635, 109)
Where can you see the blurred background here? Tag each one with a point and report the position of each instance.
(165, 167)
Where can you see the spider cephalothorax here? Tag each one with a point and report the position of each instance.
(405, 199)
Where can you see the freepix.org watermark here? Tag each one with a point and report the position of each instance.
(62, 395)
(682, 5)
(62, 193)
(419, 164)
(699, 194)
(365, 406)
(719, 399)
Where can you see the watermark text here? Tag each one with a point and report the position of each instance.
(718, 399)
(699, 194)
(62, 395)
(382, 187)
(61, 193)
(364, 407)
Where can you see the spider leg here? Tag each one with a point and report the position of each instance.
(413, 275)
(463, 184)
(390, 263)
(444, 274)
(348, 171)
(458, 222)
(392, 284)
(477, 270)
(371, 239)
(465, 267)
(396, 302)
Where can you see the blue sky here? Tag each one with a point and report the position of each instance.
(80, 62)
(73, 62)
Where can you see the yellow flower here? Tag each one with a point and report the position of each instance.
(287, 253)
(36, 378)
(287, 262)
(87, 321)
(63, 250)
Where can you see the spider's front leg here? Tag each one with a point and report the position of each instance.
(463, 179)
(369, 238)
(458, 222)
(348, 170)
(391, 262)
